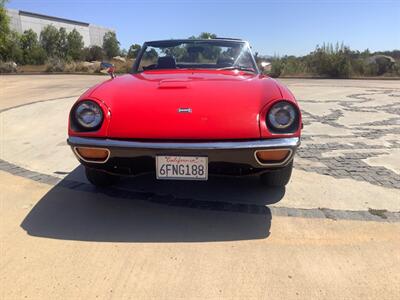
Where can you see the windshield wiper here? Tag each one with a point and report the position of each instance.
(240, 68)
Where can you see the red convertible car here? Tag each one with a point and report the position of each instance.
(188, 109)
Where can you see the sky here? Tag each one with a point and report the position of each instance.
(288, 27)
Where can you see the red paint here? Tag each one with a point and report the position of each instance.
(225, 105)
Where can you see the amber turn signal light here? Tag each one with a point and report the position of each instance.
(272, 156)
(93, 154)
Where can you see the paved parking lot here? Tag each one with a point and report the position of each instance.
(332, 233)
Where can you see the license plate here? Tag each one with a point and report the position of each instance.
(182, 167)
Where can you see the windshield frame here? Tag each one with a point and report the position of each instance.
(136, 64)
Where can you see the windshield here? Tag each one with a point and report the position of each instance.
(196, 55)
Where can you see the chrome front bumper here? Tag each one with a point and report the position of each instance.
(240, 152)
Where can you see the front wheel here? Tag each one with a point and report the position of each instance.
(99, 178)
(278, 177)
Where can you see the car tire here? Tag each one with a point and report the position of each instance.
(278, 177)
(99, 178)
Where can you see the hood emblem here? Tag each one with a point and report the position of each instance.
(185, 110)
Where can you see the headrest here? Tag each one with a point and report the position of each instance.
(166, 62)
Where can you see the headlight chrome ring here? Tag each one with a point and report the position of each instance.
(282, 117)
(88, 115)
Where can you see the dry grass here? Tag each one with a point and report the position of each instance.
(32, 69)
(123, 67)
(76, 67)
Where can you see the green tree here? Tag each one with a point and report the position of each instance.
(12, 48)
(37, 56)
(4, 30)
(75, 45)
(209, 52)
(62, 43)
(111, 44)
(204, 35)
(33, 53)
(134, 50)
(49, 40)
(29, 39)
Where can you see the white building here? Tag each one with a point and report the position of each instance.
(23, 20)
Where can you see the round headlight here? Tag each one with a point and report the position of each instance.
(282, 116)
(88, 114)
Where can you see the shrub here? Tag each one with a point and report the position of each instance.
(94, 53)
(8, 67)
(36, 56)
(87, 67)
(358, 67)
(55, 64)
(276, 67)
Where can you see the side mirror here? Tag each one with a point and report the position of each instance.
(265, 66)
(106, 67)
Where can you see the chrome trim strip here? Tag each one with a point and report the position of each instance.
(76, 152)
(257, 144)
(281, 163)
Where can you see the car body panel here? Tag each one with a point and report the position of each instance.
(224, 105)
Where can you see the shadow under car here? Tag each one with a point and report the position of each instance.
(142, 209)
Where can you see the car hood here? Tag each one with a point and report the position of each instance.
(186, 105)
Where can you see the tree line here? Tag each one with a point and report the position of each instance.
(29, 48)
(337, 61)
(33, 49)
(327, 60)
